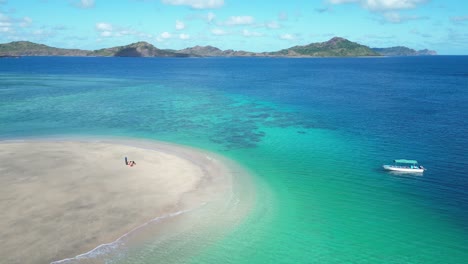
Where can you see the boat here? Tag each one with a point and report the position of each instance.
(404, 165)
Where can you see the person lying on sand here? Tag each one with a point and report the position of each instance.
(131, 163)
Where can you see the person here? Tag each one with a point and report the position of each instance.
(132, 163)
(126, 162)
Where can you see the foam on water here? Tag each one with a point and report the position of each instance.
(119, 243)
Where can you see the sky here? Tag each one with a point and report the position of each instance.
(251, 25)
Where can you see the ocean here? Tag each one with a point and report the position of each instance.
(314, 133)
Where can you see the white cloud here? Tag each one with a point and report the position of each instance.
(386, 8)
(165, 35)
(87, 3)
(25, 22)
(103, 26)
(272, 25)
(382, 5)
(287, 36)
(4, 17)
(210, 17)
(218, 32)
(184, 36)
(12, 25)
(394, 17)
(106, 34)
(84, 3)
(179, 25)
(239, 20)
(247, 33)
(337, 2)
(196, 4)
(5, 26)
(108, 30)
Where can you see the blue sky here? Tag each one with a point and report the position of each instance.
(252, 25)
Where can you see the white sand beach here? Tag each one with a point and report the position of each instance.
(60, 199)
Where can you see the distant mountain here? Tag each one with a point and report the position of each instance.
(139, 49)
(210, 51)
(426, 52)
(335, 47)
(203, 51)
(403, 51)
(26, 48)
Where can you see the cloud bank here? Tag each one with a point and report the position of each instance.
(196, 4)
(382, 5)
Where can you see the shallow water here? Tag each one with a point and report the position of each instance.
(314, 133)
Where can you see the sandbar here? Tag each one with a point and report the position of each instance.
(62, 198)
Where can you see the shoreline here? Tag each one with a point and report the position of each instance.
(198, 185)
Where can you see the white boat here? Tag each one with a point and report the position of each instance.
(404, 165)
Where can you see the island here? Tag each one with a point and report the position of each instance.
(335, 47)
(403, 51)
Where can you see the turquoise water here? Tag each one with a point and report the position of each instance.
(314, 133)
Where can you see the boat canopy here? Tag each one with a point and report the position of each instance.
(406, 161)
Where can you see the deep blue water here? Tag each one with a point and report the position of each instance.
(316, 130)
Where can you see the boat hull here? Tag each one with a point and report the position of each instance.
(402, 169)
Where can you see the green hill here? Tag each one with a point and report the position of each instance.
(138, 49)
(26, 48)
(335, 47)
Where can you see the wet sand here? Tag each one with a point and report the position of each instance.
(60, 199)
